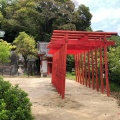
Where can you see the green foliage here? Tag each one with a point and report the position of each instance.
(114, 61)
(4, 51)
(14, 103)
(39, 18)
(70, 63)
(71, 75)
(25, 45)
(114, 87)
(4, 112)
(116, 39)
(83, 18)
(63, 1)
(1, 17)
(89, 29)
(68, 26)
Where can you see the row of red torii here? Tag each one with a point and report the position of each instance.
(90, 54)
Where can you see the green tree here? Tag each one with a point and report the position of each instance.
(25, 45)
(1, 17)
(114, 61)
(21, 16)
(70, 63)
(82, 18)
(39, 18)
(5, 51)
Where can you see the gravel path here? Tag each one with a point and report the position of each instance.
(80, 103)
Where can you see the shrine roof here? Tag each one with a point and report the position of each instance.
(42, 49)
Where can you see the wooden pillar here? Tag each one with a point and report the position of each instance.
(80, 67)
(89, 69)
(106, 67)
(85, 72)
(64, 64)
(97, 84)
(77, 66)
(84, 68)
(101, 71)
(75, 57)
(92, 70)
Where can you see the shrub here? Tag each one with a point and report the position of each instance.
(114, 87)
(14, 103)
(114, 75)
(114, 64)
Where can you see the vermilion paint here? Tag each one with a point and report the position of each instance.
(85, 46)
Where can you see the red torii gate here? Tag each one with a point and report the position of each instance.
(88, 48)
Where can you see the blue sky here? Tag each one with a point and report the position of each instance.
(106, 14)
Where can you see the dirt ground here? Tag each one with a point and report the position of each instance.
(80, 103)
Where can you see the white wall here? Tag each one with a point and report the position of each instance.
(44, 66)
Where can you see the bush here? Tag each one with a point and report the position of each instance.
(114, 75)
(114, 87)
(14, 103)
(114, 64)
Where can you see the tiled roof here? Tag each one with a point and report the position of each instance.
(42, 48)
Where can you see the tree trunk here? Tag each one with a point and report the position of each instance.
(25, 62)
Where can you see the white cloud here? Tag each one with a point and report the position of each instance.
(106, 14)
(118, 28)
(99, 3)
(100, 15)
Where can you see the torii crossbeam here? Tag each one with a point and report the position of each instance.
(90, 53)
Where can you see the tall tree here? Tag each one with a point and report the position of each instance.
(5, 51)
(25, 45)
(40, 17)
(83, 18)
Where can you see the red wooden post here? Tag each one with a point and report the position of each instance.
(83, 75)
(48, 69)
(106, 67)
(85, 79)
(97, 84)
(86, 76)
(89, 69)
(101, 71)
(80, 67)
(64, 64)
(58, 72)
(75, 42)
(92, 70)
(76, 66)
(56, 82)
(64, 50)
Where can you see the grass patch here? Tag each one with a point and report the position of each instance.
(115, 91)
(114, 87)
(71, 76)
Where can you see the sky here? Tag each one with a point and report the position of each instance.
(106, 14)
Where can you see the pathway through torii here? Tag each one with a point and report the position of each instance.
(87, 48)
